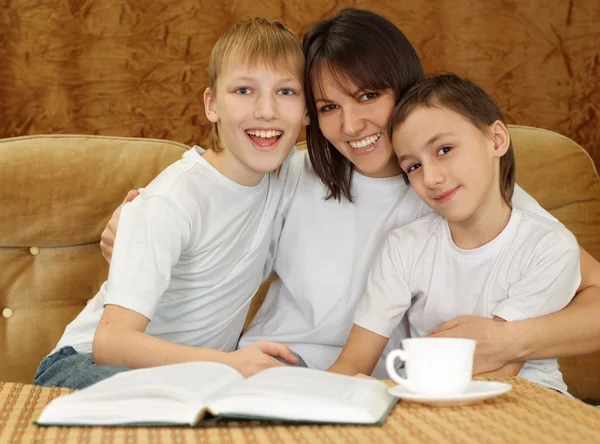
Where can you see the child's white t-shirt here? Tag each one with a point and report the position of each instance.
(324, 252)
(189, 256)
(530, 269)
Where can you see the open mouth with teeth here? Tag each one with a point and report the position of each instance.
(264, 139)
(366, 143)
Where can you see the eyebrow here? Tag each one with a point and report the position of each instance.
(250, 79)
(431, 141)
(438, 136)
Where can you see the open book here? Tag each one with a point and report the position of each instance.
(194, 392)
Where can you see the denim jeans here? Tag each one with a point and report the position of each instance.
(67, 368)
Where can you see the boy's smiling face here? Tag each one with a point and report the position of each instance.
(259, 113)
(451, 164)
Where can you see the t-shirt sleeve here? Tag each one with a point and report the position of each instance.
(387, 295)
(521, 200)
(548, 284)
(152, 235)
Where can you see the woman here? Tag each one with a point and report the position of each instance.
(346, 193)
(339, 206)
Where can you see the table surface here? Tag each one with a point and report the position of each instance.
(529, 413)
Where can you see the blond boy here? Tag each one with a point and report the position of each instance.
(192, 247)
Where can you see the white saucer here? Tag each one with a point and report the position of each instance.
(475, 392)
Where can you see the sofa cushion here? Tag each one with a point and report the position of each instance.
(56, 195)
(561, 176)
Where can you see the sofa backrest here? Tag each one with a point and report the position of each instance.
(58, 192)
(56, 195)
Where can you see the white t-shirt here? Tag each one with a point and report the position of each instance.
(189, 255)
(530, 269)
(324, 254)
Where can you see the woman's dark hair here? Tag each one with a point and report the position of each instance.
(363, 48)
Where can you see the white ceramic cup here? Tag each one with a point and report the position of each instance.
(434, 366)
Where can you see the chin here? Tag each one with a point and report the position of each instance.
(267, 167)
(372, 168)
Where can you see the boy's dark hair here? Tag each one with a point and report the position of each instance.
(360, 49)
(469, 100)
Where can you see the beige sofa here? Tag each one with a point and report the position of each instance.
(57, 193)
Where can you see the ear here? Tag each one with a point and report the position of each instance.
(210, 106)
(500, 138)
(306, 119)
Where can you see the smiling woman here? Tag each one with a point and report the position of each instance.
(358, 65)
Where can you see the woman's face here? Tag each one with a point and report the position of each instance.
(356, 125)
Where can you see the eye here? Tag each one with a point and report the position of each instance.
(287, 92)
(243, 90)
(413, 167)
(368, 96)
(444, 150)
(326, 108)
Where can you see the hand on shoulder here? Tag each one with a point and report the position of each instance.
(107, 238)
(494, 343)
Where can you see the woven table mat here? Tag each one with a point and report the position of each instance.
(529, 413)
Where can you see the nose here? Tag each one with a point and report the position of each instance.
(432, 174)
(353, 122)
(265, 107)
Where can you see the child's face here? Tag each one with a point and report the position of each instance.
(259, 114)
(451, 164)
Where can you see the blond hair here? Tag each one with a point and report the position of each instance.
(257, 42)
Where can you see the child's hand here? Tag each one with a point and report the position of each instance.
(107, 238)
(259, 356)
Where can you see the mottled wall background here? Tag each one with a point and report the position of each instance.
(138, 67)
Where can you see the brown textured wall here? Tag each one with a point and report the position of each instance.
(138, 67)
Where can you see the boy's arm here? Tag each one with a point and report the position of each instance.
(385, 301)
(360, 353)
(120, 340)
(571, 331)
(154, 233)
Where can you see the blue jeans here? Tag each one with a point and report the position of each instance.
(67, 368)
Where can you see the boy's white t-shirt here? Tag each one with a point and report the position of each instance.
(530, 269)
(325, 250)
(189, 256)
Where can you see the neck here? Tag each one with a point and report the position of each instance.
(231, 168)
(483, 226)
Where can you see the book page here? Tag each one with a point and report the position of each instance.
(167, 394)
(302, 394)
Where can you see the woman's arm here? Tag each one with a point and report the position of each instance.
(575, 330)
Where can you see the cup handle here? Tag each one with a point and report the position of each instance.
(391, 369)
